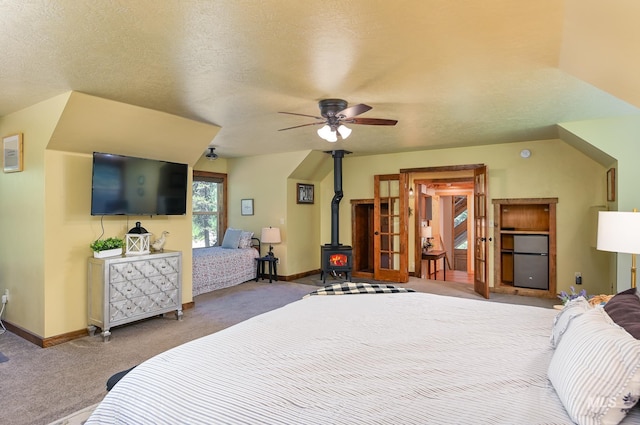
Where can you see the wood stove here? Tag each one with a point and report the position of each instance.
(336, 258)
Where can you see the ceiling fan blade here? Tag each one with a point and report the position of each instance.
(371, 121)
(302, 115)
(303, 125)
(354, 110)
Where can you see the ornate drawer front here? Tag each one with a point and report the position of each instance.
(140, 306)
(159, 266)
(144, 286)
(121, 272)
(125, 290)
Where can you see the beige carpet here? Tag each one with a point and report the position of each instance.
(40, 386)
(76, 418)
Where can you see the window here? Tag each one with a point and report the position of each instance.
(209, 208)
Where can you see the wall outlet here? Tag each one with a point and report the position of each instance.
(578, 278)
(5, 299)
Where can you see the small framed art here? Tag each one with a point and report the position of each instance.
(12, 153)
(305, 193)
(246, 207)
(611, 185)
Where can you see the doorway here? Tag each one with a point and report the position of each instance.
(368, 226)
(449, 216)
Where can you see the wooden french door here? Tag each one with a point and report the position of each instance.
(390, 236)
(480, 272)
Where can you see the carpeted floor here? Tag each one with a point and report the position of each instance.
(40, 386)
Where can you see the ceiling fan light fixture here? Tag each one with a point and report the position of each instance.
(324, 132)
(332, 137)
(344, 131)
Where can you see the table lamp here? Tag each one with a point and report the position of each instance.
(270, 235)
(619, 231)
(426, 233)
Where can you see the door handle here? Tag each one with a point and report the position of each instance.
(376, 233)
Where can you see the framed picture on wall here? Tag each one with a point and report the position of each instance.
(305, 193)
(246, 207)
(12, 153)
(611, 185)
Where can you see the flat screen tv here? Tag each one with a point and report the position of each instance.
(124, 185)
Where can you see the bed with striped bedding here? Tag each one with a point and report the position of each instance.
(383, 358)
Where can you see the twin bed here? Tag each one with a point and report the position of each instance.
(384, 358)
(227, 265)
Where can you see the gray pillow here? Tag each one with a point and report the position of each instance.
(231, 238)
(624, 309)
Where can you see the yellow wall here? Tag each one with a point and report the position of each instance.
(47, 226)
(555, 169)
(22, 248)
(69, 229)
(619, 138)
(265, 180)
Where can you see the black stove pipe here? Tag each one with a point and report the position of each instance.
(337, 197)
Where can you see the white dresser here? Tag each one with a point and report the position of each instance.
(125, 289)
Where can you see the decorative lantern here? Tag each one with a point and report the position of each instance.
(137, 240)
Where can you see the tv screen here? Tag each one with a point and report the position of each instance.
(124, 185)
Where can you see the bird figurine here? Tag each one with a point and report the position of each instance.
(158, 244)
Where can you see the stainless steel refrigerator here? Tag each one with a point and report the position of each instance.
(531, 261)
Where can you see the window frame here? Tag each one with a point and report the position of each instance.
(222, 213)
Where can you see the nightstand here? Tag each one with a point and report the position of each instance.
(273, 267)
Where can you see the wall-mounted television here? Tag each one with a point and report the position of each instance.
(125, 185)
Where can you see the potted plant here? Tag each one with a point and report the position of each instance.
(107, 247)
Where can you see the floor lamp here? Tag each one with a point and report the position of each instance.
(619, 232)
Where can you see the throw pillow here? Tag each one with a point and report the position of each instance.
(624, 309)
(231, 238)
(596, 369)
(245, 240)
(571, 309)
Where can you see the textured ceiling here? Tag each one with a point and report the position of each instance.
(453, 73)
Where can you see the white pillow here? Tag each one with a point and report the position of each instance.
(571, 309)
(245, 240)
(595, 369)
(231, 238)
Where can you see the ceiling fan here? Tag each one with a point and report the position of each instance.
(334, 113)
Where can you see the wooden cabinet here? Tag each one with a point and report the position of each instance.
(125, 289)
(514, 221)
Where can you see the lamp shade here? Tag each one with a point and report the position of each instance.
(270, 235)
(619, 232)
(425, 232)
(344, 131)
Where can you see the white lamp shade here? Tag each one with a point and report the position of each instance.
(619, 232)
(324, 131)
(425, 232)
(344, 131)
(270, 235)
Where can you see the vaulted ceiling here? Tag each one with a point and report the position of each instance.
(453, 73)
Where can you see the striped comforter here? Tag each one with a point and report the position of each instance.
(405, 358)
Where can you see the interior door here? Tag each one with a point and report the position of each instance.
(480, 272)
(390, 236)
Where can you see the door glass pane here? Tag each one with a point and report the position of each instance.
(384, 189)
(394, 188)
(389, 224)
